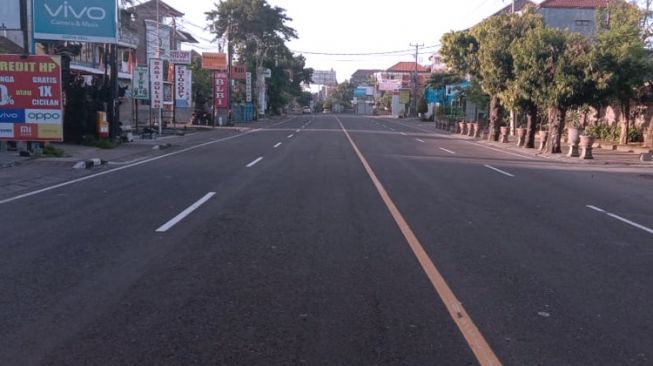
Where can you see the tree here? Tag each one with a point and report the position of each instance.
(551, 69)
(254, 28)
(202, 83)
(620, 59)
(494, 36)
(343, 94)
(459, 52)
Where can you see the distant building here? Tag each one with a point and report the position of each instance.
(362, 76)
(574, 15)
(324, 77)
(437, 65)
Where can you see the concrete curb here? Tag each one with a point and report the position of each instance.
(89, 163)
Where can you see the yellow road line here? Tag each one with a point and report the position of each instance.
(473, 336)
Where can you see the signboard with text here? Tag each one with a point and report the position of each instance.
(183, 86)
(156, 83)
(221, 90)
(238, 72)
(141, 83)
(248, 87)
(30, 98)
(214, 61)
(179, 57)
(75, 20)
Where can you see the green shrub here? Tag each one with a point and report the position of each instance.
(635, 135)
(52, 151)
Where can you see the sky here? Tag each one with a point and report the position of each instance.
(358, 26)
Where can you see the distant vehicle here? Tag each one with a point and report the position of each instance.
(306, 110)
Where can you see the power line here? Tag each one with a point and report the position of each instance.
(361, 54)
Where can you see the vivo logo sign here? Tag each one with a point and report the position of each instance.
(6, 115)
(66, 10)
(12, 115)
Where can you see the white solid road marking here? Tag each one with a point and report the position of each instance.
(447, 150)
(184, 213)
(498, 170)
(420, 140)
(624, 220)
(254, 162)
(403, 133)
(277, 145)
(291, 135)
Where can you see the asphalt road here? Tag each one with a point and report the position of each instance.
(332, 240)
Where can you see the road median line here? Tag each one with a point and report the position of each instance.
(477, 343)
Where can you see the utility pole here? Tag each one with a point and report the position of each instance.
(158, 56)
(417, 46)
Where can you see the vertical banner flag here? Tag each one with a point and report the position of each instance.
(248, 87)
(221, 90)
(156, 83)
(183, 87)
(31, 107)
(141, 83)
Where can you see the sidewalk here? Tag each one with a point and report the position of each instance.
(601, 156)
(21, 175)
(140, 148)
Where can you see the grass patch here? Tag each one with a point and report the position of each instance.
(52, 151)
(101, 143)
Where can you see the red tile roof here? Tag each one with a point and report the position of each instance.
(408, 67)
(587, 4)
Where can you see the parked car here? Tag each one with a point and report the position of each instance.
(306, 110)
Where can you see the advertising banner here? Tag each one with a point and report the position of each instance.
(214, 61)
(238, 72)
(221, 90)
(141, 83)
(389, 85)
(183, 86)
(158, 38)
(9, 15)
(404, 96)
(75, 20)
(156, 83)
(30, 98)
(248, 87)
(179, 57)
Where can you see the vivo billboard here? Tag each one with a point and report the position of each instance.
(75, 20)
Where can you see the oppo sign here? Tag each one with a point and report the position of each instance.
(75, 20)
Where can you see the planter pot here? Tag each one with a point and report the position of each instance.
(504, 134)
(477, 129)
(573, 135)
(470, 129)
(543, 136)
(521, 137)
(586, 143)
(463, 127)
